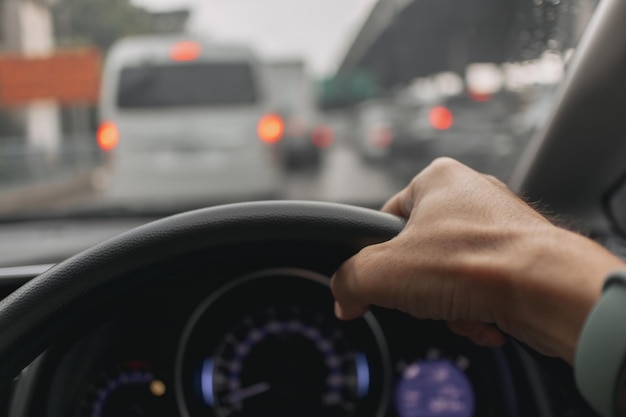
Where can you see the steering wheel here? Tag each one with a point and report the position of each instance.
(77, 291)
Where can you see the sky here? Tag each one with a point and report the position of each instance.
(320, 31)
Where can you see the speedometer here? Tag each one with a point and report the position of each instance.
(255, 367)
(270, 345)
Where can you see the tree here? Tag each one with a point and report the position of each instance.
(98, 22)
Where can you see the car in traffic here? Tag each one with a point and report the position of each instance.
(374, 120)
(184, 117)
(293, 97)
(395, 133)
(474, 128)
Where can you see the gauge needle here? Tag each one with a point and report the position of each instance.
(251, 391)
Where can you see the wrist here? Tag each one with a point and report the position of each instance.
(601, 351)
(555, 282)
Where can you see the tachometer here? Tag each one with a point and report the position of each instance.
(270, 345)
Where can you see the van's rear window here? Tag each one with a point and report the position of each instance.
(189, 84)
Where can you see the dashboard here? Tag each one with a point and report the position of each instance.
(266, 343)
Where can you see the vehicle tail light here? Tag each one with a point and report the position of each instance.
(185, 51)
(441, 118)
(323, 136)
(380, 136)
(271, 128)
(479, 97)
(108, 136)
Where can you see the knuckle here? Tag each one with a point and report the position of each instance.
(444, 164)
(416, 180)
(492, 178)
(495, 181)
(442, 167)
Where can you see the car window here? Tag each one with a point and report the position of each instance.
(186, 85)
(166, 105)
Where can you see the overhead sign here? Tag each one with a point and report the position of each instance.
(67, 77)
(348, 89)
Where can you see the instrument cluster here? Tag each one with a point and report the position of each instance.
(268, 344)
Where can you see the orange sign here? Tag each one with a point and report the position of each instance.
(66, 76)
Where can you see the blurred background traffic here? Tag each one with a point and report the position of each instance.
(177, 104)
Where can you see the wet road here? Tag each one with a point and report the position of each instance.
(341, 177)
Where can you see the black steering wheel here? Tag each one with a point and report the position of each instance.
(79, 289)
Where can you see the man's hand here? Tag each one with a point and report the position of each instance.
(474, 254)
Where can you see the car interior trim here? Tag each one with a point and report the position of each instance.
(585, 107)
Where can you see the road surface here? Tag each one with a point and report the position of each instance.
(342, 177)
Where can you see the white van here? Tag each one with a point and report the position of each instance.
(187, 118)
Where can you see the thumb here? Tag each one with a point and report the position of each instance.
(358, 283)
(348, 305)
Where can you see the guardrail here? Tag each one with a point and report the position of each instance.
(22, 164)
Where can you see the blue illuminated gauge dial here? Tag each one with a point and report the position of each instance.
(268, 344)
(284, 361)
(132, 390)
(435, 388)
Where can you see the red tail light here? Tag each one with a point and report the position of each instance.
(479, 97)
(185, 51)
(271, 128)
(323, 136)
(380, 136)
(108, 136)
(441, 118)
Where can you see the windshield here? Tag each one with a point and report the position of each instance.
(185, 85)
(168, 105)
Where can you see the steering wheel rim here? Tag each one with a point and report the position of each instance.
(36, 314)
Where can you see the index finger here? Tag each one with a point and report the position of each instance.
(400, 204)
(403, 202)
(438, 173)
